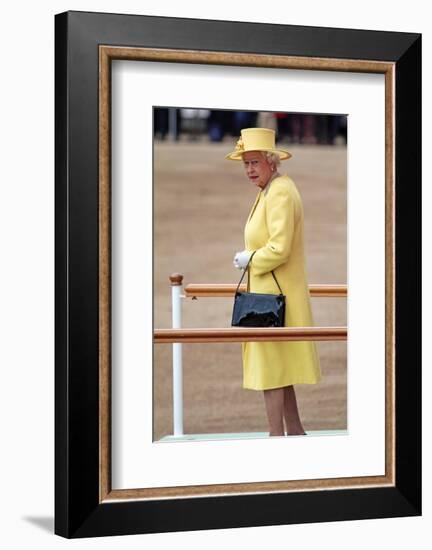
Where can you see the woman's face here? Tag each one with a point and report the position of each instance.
(257, 168)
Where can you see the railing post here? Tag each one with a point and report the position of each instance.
(176, 297)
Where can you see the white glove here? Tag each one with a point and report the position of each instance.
(241, 259)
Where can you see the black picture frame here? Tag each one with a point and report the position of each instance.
(80, 509)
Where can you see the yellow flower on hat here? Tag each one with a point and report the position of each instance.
(239, 145)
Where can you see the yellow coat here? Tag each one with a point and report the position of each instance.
(275, 230)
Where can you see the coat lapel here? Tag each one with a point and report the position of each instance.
(254, 206)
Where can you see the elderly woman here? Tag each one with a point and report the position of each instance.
(274, 231)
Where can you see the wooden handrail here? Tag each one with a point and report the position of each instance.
(240, 334)
(195, 290)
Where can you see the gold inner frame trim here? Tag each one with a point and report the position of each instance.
(106, 55)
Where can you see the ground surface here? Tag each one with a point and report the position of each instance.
(201, 203)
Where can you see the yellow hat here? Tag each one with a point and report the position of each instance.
(257, 139)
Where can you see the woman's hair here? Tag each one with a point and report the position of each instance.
(272, 158)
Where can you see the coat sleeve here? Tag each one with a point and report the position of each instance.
(280, 214)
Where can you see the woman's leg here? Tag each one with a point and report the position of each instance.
(291, 414)
(274, 402)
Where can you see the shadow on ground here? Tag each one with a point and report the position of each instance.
(46, 523)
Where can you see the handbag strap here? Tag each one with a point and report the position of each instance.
(276, 281)
(243, 274)
(247, 269)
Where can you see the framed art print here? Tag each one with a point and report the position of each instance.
(158, 426)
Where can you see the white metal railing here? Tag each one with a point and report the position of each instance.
(176, 335)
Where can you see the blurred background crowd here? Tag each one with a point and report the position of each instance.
(197, 124)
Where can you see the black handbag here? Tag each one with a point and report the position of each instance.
(252, 309)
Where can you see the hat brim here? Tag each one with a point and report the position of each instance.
(238, 155)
